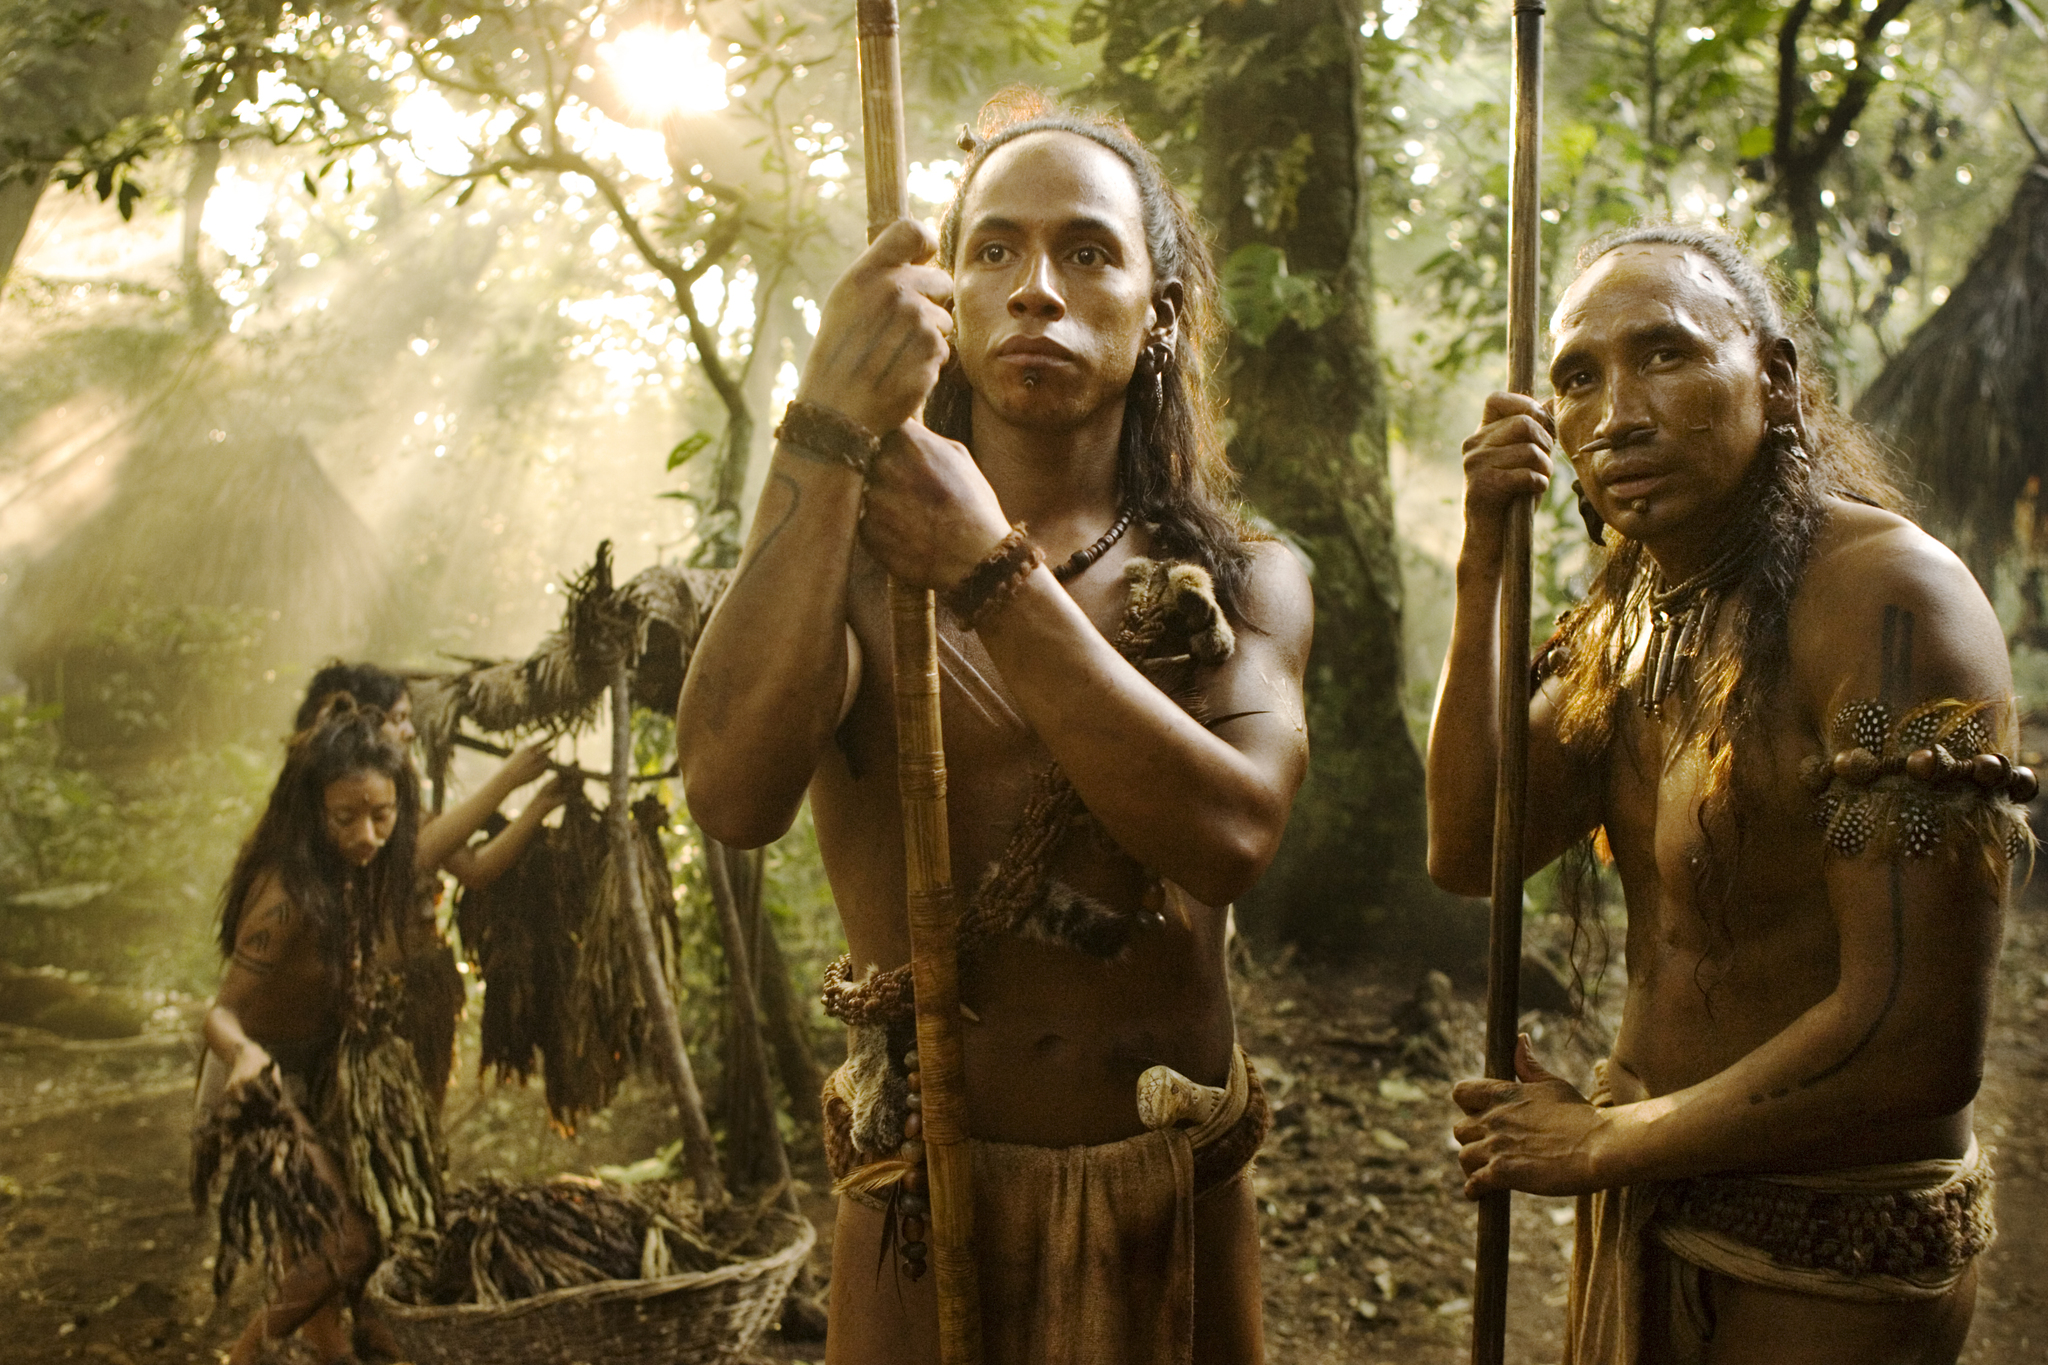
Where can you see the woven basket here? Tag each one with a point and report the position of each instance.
(706, 1318)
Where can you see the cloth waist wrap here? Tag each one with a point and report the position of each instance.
(1086, 1254)
(1893, 1233)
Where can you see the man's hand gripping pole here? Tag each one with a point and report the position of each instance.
(921, 779)
(1510, 801)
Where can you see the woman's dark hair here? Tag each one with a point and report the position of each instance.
(1172, 474)
(367, 683)
(349, 906)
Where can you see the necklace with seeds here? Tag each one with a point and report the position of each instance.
(1681, 617)
(1078, 562)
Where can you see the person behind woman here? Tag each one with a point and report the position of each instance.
(434, 988)
(310, 919)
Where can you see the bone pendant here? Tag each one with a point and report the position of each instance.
(1167, 1099)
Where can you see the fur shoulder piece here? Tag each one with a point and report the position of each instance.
(1917, 782)
(1172, 616)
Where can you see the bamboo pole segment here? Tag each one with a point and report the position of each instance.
(700, 1153)
(746, 1007)
(1511, 790)
(921, 782)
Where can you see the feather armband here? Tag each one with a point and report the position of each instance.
(1915, 783)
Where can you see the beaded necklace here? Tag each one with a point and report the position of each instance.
(1078, 562)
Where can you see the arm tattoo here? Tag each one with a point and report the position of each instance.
(1891, 995)
(1895, 688)
(796, 499)
(718, 694)
(1895, 657)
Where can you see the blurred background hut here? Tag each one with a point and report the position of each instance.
(1965, 400)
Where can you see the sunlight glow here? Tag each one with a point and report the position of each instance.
(1398, 15)
(661, 72)
(437, 134)
(934, 182)
(235, 214)
(785, 387)
(641, 151)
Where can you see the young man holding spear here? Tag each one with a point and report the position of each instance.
(1121, 665)
(1784, 712)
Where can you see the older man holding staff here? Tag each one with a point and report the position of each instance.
(1787, 712)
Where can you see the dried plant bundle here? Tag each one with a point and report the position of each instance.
(274, 1204)
(504, 1242)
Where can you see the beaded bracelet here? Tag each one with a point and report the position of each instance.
(991, 584)
(820, 431)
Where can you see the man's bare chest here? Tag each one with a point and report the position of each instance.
(1689, 816)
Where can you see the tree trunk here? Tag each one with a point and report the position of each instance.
(18, 200)
(1283, 168)
(783, 1026)
(700, 1153)
(776, 321)
(753, 1138)
(202, 305)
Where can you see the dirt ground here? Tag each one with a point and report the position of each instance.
(1368, 1246)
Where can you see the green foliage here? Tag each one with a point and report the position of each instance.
(148, 672)
(118, 875)
(58, 824)
(1665, 110)
(1261, 295)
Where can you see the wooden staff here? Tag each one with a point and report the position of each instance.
(921, 783)
(1511, 790)
(752, 1050)
(700, 1153)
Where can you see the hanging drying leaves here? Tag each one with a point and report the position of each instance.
(552, 941)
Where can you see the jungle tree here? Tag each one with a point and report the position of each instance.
(1265, 107)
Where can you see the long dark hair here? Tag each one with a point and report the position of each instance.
(1822, 453)
(1172, 474)
(349, 906)
(366, 682)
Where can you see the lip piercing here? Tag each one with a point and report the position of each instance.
(1030, 381)
(1639, 506)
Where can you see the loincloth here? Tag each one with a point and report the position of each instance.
(1897, 1233)
(1087, 1253)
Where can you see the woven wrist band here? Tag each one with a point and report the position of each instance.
(825, 433)
(991, 584)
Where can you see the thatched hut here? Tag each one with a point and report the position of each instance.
(1966, 399)
(224, 549)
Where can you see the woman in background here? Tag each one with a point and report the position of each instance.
(310, 927)
(434, 992)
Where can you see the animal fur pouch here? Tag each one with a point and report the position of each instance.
(1173, 614)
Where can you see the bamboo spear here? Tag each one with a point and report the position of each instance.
(921, 782)
(1511, 790)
